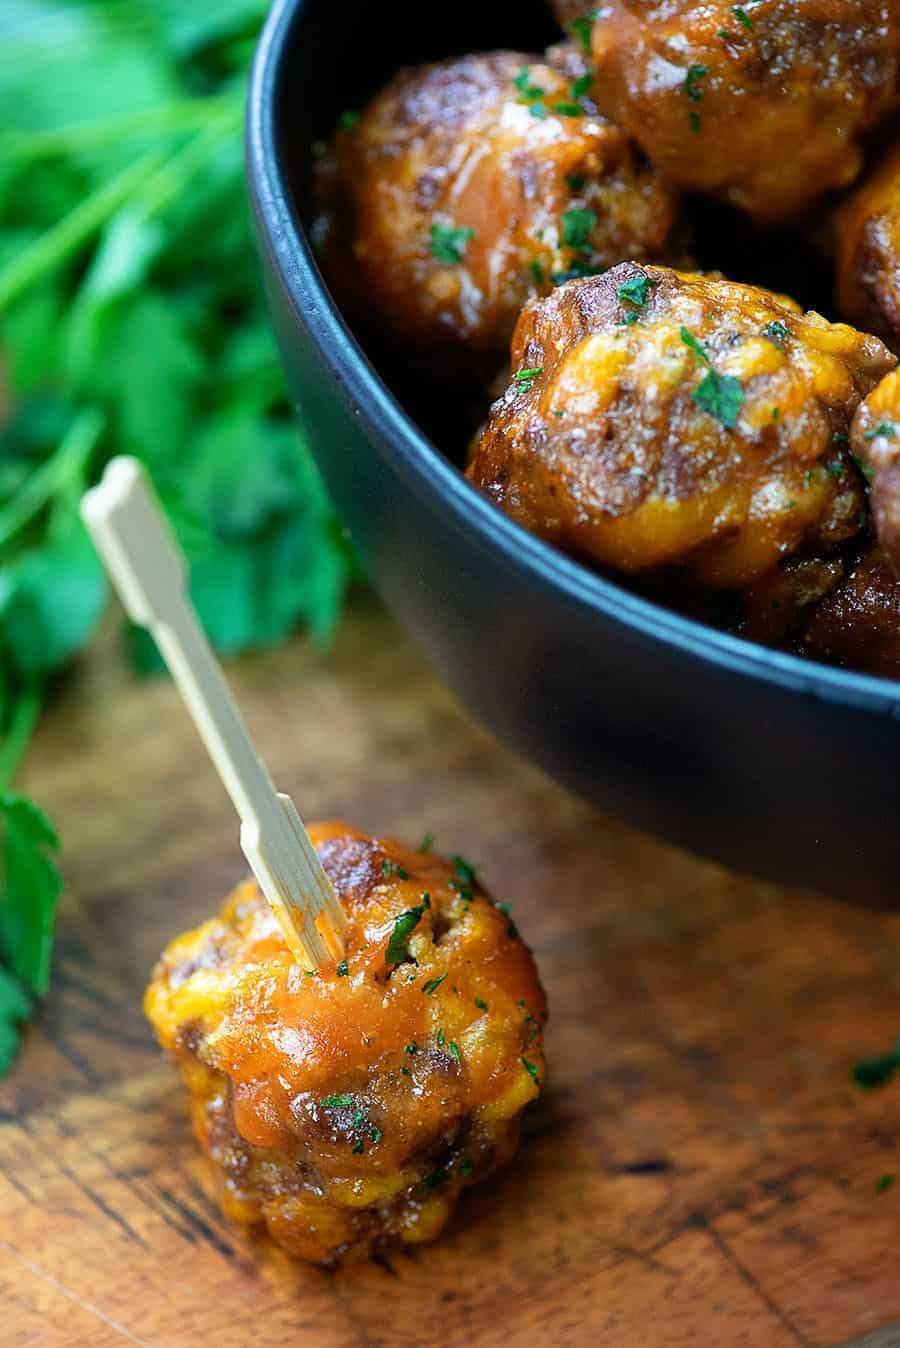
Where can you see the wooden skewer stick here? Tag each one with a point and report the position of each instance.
(148, 569)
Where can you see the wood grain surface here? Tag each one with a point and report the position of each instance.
(700, 1171)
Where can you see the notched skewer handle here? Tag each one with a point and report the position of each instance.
(147, 567)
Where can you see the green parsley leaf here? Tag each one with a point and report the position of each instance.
(582, 28)
(777, 332)
(529, 1068)
(436, 1178)
(870, 1073)
(583, 85)
(577, 224)
(722, 396)
(448, 243)
(427, 843)
(404, 926)
(525, 379)
(343, 969)
(697, 349)
(454, 1050)
(432, 985)
(389, 868)
(693, 80)
(358, 1148)
(31, 886)
(568, 109)
(411, 1047)
(636, 290)
(511, 929)
(885, 1182)
(575, 182)
(742, 17)
(537, 271)
(885, 428)
(15, 1009)
(376, 1134)
(338, 1101)
(528, 91)
(482, 1005)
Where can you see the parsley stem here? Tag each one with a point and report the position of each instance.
(68, 460)
(15, 741)
(183, 114)
(63, 239)
(168, 182)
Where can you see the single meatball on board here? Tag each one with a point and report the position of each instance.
(763, 104)
(467, 186)
(347, 1108)
(866, 238)
(658, 419)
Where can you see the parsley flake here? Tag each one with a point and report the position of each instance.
(342, 969)
(692, 82)
(525, 379)
(583, 28)
(348, 120)
(530, 1068)
(481, 1004)
(449, 242)
(404, 926)
(721, 395)
(777, 332)
(742, 17)
(338, 1101)
(871, 1073)
(885, 428)
(454, 1050)
(636, 290)
(389, 868)
(577, 225)
(885, 1182)
(431, 987)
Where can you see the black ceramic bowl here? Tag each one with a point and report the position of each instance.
(765, 761)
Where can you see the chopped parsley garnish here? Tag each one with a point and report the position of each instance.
(776, 413)
(577, 225)
(449, 243)
(885, 428)
(348, 120)
(406, 1072)
(582, 29)
(725, 35)
(389, 868)
(359, 1118)
(537, 271)
(568, 109)
(583, 84)
(511, 929)
(530, 1068)
(840, 439)
(636, 291)
(885, 1182)
(836, 468)
(376, 1134)
(692, 82)
(411, 1047)
(525, 379)
(440, 1038)
(405, 925)
(575, 182)
(465, 1169)
(866, 469)
(463, 870)
(454, 1050)
(481, 1004)
(338, 1101)
(721, 395)
(528, 91)
(434, 1179)
(742, 17)
(878, 1071)
(427, 843)
(431, 987)
(537, 110)
(777, 332)
(358, 1148)
(695, 122)
(342, 969)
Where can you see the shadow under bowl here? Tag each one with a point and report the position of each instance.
(762, 760)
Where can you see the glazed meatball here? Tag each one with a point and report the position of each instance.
(347, 1108)
(470, 185)
(858, 624)
(867, 251)
(876, 444)
(657, 419)
(763, 104)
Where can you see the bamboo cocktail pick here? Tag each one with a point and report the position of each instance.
(148, 569)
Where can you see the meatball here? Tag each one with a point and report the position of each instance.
(858, 624)
(657, 419)
(469, 185)
(867, 251)
(763, 105)
(347, 1108)
(876, 444)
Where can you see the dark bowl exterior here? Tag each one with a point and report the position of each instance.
(766, 762)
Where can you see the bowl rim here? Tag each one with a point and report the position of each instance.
(430, 472)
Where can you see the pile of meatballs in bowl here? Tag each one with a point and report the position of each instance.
(532, 231)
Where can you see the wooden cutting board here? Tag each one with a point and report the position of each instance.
(700, 1171)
